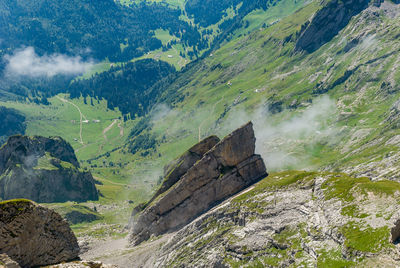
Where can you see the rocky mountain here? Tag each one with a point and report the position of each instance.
(44, 170)
(225, 169)
(321, 86)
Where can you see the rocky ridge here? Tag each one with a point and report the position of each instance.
(44, 170)
(225, 169)
(294, 218)
(327, 22)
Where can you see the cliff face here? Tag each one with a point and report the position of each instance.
(327, 23)
(294, 219)
(225, 169)
(176, 169)
(33, 235)
(44, 170)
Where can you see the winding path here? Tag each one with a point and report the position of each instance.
(81, 116)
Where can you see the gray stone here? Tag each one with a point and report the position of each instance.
(227, 168)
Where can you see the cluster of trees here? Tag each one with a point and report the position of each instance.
(128, 87)
(208, 12)
(11, 122)
(96, 28)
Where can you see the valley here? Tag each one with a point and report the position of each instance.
(322, 93)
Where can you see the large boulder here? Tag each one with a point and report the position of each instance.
(44, 170)
(35, 236)
(227, 168)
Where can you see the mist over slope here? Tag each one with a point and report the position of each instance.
(320, 81)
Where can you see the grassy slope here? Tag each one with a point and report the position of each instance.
(136, 176)
(260, 69)
(252, 71)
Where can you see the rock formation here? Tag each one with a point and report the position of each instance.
(228, 167)
(44, 170)
(33, 235)
(7, 262)
(327, 23)
(292, 219)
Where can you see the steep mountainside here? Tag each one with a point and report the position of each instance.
(293, 219)
(335, 108)
(101, 26)
(44, 170)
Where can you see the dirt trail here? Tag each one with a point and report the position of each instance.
(82, 116)
(108, 128)
(111, 182)
(121, 129)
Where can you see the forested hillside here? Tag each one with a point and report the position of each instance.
(128, 87)
(11, 122)
(96, 28)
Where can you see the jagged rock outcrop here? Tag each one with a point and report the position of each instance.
(44, 170)
(225, 169)
(176, 169)
(33, 235)
(327, 23)
(7, 262)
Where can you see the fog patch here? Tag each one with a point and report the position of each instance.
(282, 144)
(159, 112)
(25, 62)
(369, 42)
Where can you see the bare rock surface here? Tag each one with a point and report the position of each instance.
(7, 262)
(82, 264)
(35, 236)
(227, 168)
(177, 168)
(327, 23)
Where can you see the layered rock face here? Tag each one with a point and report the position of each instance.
(33, 235)
(176, 169)
(44, 170)
(228, 167)
(327, 23)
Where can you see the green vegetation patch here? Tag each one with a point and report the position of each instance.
(345, 187)
(366, 238)
(277, 181)
(332, 259)
(16, 202)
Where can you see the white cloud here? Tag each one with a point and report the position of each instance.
(25, 62)
(282, 145)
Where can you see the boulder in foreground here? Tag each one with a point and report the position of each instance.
(35, 236)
